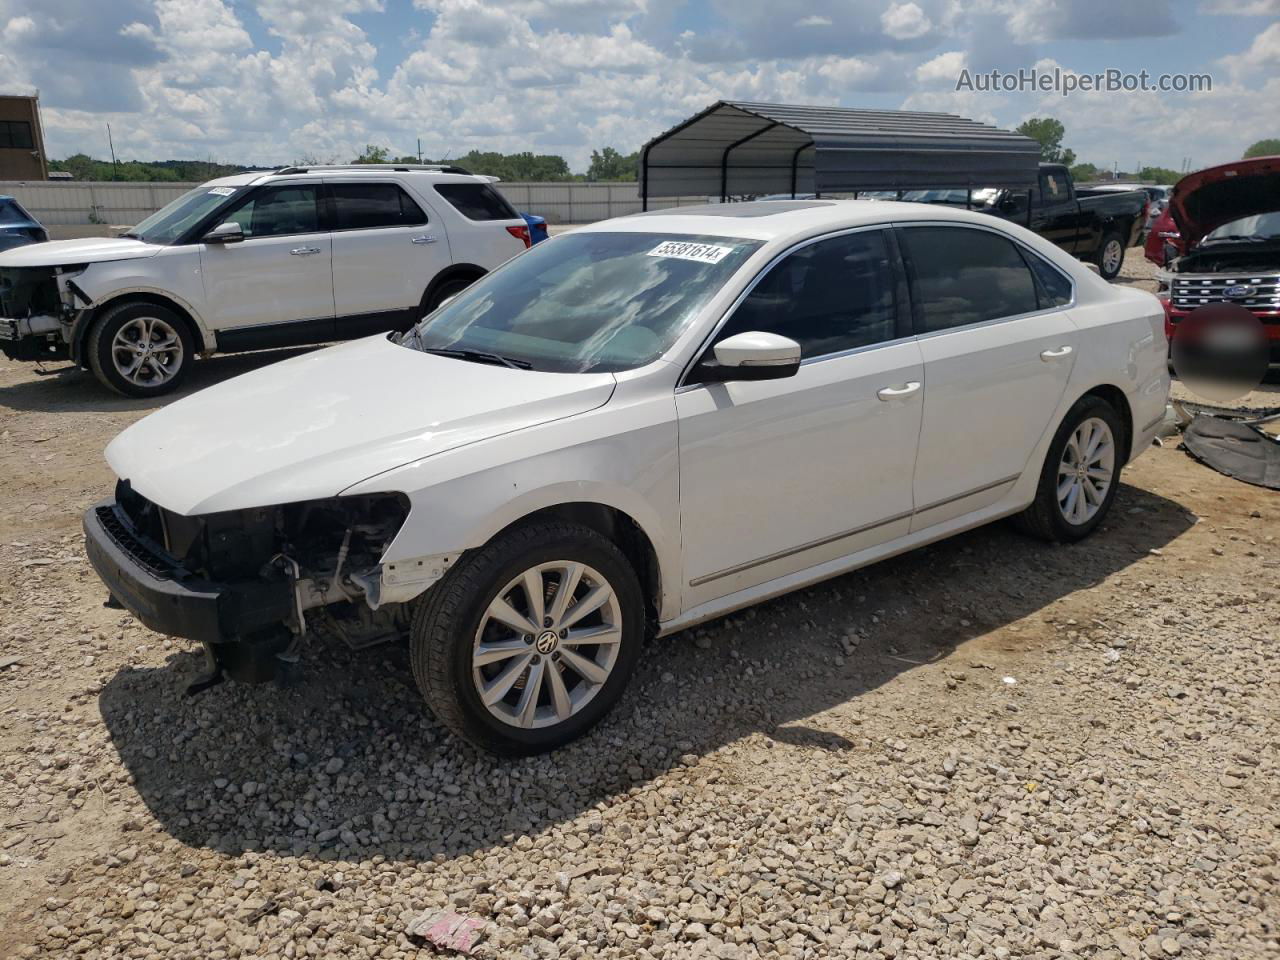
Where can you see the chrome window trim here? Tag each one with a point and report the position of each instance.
(681, 383)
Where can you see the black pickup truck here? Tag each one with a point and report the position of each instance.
(1094, 225)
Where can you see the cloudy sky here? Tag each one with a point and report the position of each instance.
(274, 81)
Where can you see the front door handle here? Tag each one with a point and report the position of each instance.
(422, 239)
(304, 251)
(895, 393)
(1058, 354)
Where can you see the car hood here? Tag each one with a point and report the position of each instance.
(314, 425)
(56, 253)
(1205, 200)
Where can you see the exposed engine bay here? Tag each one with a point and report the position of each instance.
(1230, 258)
(37, 310)
(284, 573)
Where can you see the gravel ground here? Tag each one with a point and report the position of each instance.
(987, 748)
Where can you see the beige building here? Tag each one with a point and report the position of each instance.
(22, 155)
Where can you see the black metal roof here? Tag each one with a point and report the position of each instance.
(735, 147)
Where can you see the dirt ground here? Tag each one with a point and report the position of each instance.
(989, 747)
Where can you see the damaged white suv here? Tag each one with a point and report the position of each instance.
(630, 429)
(300, 256)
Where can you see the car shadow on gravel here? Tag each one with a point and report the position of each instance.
(65, 387)
(348, 763)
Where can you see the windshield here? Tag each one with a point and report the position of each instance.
(170, 222)
(1261, 226)
(599, 302)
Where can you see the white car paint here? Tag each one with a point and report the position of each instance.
(86, 250)
(745, 489)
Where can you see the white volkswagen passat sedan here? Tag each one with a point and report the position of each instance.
(635, 427)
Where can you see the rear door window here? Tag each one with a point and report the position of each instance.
(477, 201)
(1053, 286)
(961, 276)
(366, 206)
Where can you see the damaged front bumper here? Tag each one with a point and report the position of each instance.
(240, 622)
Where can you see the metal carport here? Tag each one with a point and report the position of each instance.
(734, 148)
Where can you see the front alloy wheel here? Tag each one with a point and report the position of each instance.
(547, 644)
(530, 640)
(147, 352)
(140, 349)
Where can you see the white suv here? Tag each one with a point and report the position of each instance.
(299, 256)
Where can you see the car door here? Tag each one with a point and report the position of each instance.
(274, 288)
(387, 248)
(998, 348)
(777, 476)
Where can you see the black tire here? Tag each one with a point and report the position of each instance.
(103, 359)
(1045, 517)
(445, 624)
(1101, 257)
(432, 299)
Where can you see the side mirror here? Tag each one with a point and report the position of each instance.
(753, 355)
(228, 232)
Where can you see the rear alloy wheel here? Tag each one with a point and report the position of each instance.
(1080, 475)
(140, 349)
(530, 640)
(1111, 256)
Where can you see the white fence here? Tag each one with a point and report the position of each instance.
(85, 205)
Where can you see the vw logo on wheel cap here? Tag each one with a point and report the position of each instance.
(547, 641)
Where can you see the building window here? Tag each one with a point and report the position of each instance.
(16, 134)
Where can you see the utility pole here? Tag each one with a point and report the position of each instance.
(419, 149)
(115, 169)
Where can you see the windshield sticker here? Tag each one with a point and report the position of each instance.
(684, 250)
(223, 191)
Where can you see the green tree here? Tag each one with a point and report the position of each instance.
(1264, 148)
(1159, 175)
(608, 164)
(1084, 172)
(1048, 132)
(373, 154)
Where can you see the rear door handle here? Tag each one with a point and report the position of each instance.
(422, 239)
(895, 393)
(304, 251)
(1058, 354)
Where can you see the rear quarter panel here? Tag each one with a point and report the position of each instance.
(1122, 344)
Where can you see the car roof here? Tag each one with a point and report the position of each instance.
(778, 219)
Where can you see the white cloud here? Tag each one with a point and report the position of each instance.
(944, 67)
(905, 21)
(185, 78)
(1243, 8)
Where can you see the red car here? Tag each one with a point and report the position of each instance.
(1219, 242)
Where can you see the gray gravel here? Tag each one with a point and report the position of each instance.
(845, 772)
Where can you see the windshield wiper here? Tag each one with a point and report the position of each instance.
(1250, 238)
(479, 356)
(130, 236)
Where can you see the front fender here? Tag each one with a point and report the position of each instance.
(105, 283)
(460, 499)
